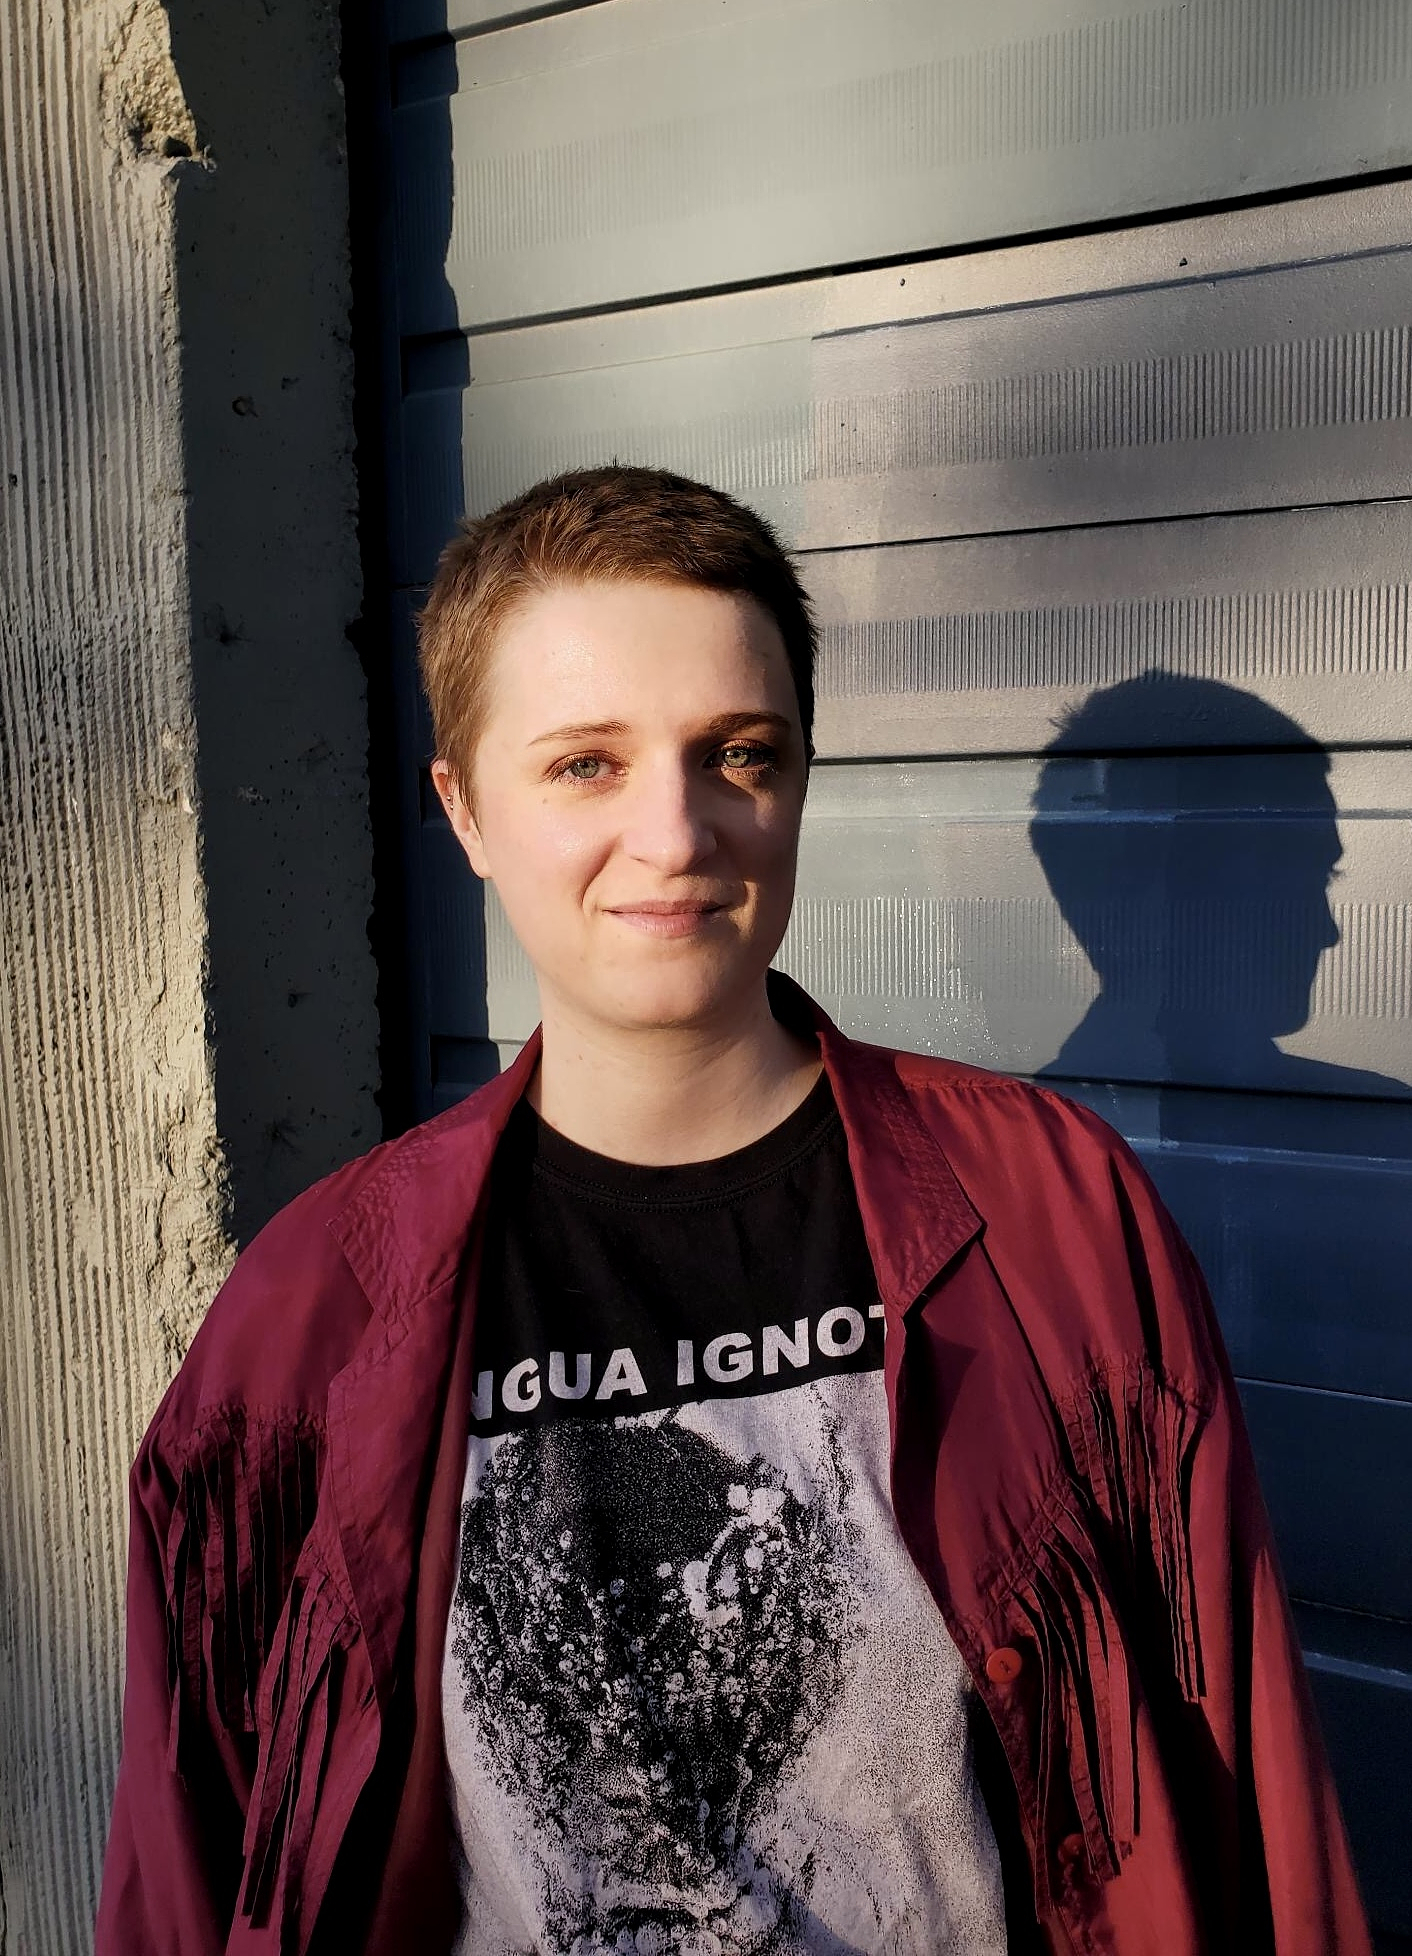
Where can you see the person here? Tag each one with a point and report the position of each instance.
(722, 1487)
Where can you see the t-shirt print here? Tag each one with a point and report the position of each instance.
(697, 1698)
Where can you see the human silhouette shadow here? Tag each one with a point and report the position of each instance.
(1198, 887)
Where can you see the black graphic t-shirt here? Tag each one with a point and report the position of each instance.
(698, 1701)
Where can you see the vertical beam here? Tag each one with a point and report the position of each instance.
(264, 302)
(111, 1233)
(187, 1010)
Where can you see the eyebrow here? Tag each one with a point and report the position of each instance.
(584, 730)
(720, 728)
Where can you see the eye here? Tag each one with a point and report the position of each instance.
(580, 767)
(746, 756)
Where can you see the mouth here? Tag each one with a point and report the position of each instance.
(680, 917)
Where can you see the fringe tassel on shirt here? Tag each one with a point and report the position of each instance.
(298, 1698)
(1131, 1436)
(251, 1646)
(242, 1510)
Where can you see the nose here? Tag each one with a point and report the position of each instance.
(667, 822)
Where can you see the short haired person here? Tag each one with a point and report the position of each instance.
(722, 1487)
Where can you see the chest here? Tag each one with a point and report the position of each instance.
(695, 1689)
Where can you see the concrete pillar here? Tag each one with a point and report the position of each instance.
(187, 1024)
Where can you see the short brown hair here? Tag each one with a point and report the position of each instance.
(595, 526)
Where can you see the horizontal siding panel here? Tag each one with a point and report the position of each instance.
(1360, 1668)
(1335, 1468)
(1263, 390)
(622, 151)
(1307, 1259)
(1272, 389)
(739, 417)
(985, 645)
(1299, 1209)
(924, 916)
(419, 20)
(1003, 982)
(1367, 1725)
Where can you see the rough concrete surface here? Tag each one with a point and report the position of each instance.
(110, 1229)
(186, 1017)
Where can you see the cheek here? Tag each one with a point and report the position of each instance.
(773, 835)
(542, 847)
(763, 845)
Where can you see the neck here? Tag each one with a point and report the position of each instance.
(670, 1094)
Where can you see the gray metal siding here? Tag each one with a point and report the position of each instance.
(1109, 540)
(1258, 390)
(653, 146)
(977, 645)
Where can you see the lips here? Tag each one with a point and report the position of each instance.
(666, 917)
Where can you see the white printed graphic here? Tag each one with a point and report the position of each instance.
(699, 1702)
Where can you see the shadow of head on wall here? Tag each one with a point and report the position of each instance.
(1189, 834)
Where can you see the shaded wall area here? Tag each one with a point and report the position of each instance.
(187, 1033)
(1201, 902)
(263, 300)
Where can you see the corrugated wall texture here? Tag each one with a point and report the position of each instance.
(110, 1243)
(669, 145)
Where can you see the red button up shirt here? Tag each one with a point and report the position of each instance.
(1070, 1474)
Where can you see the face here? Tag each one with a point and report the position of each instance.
(637, 791)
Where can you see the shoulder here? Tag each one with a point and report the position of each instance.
(1024, 1151)
(297, 1305)
(285, 1320)
(1020, 1151)
(1087, 1250)
(971, 1105)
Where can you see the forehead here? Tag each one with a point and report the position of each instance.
(652, 643)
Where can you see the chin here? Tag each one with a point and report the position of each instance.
(686, 996)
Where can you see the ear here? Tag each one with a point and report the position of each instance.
(460, 816)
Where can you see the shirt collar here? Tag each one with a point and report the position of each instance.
(408, 1228)
(411, 1223)
(916, 1215)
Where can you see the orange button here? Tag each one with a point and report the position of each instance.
(1003, 1665)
